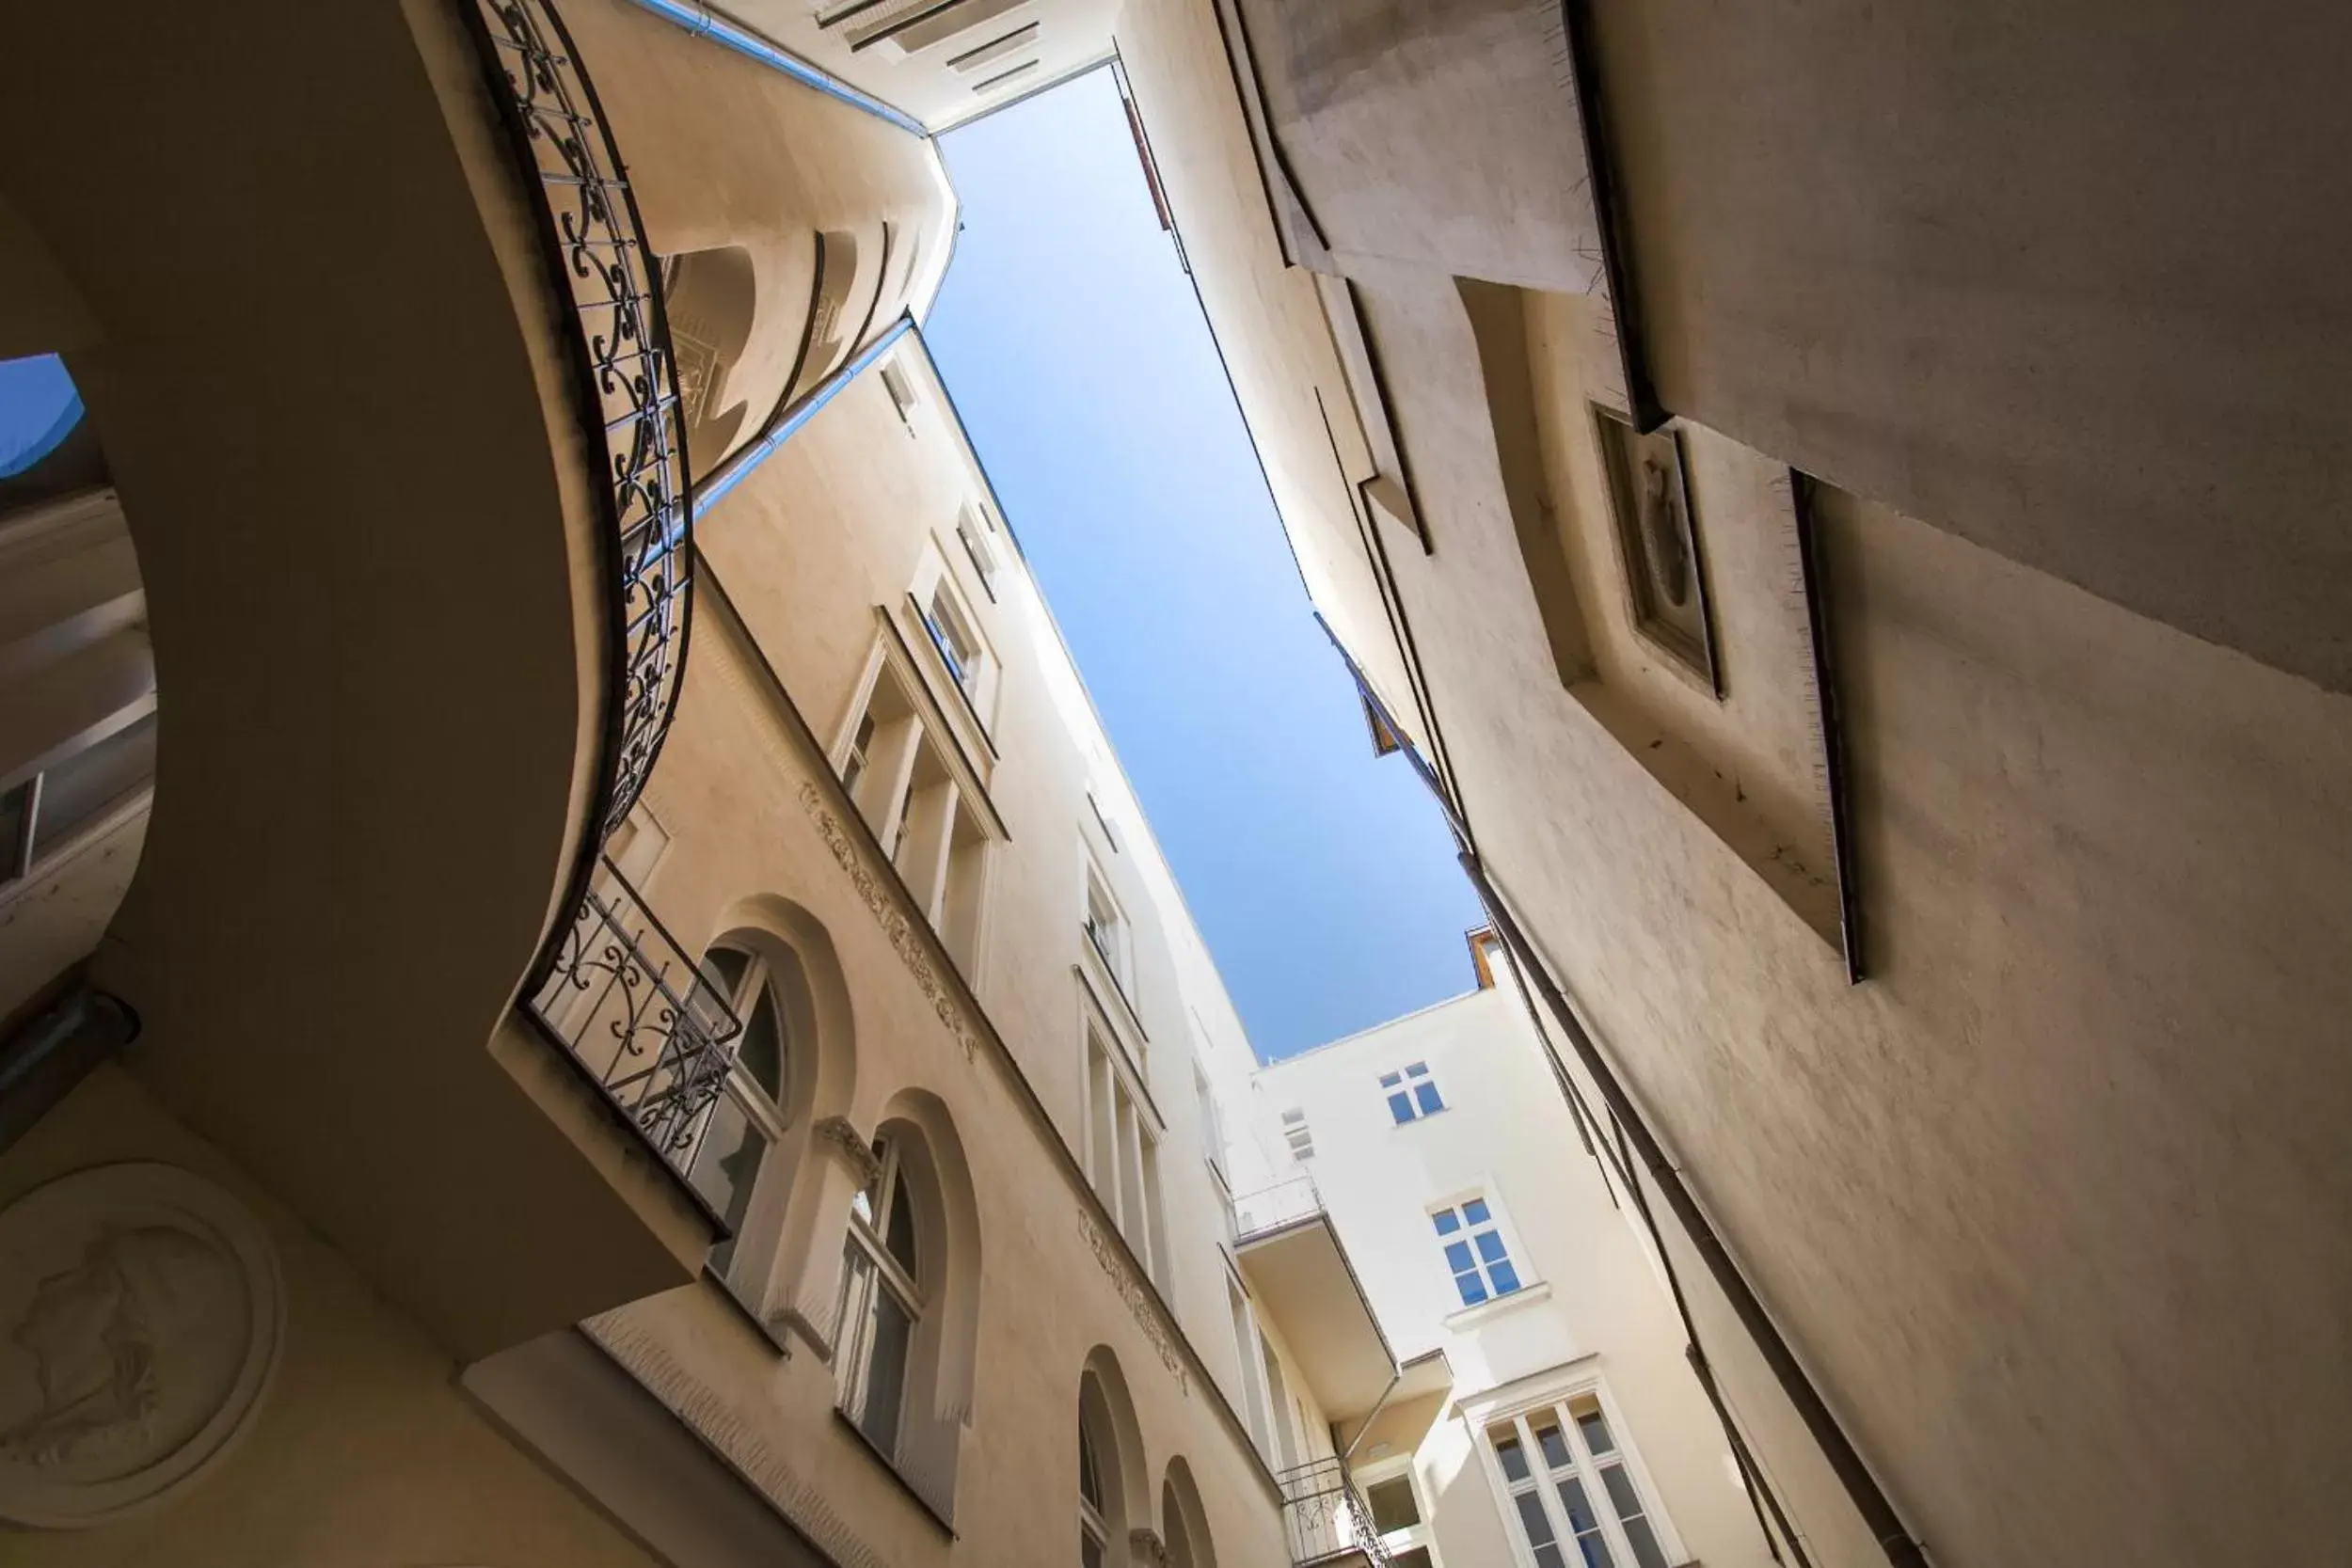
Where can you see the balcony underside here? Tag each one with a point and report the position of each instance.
(1300, 1277)
(315, 333)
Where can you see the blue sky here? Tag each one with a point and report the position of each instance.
(1324, 878)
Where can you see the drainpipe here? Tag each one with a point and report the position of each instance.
(732, 472)
(1862, 1488)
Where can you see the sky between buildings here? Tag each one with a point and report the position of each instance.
(1324, 879)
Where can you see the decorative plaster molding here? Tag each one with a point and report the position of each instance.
(874, 891)
(736, 1438)
(1147, 1547)
(141, 1315)
(842, 1138)
(1139, 1303)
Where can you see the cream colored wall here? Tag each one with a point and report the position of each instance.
(1604, 1310)
(362, 1453)
(806, 549)
(2047, 1204)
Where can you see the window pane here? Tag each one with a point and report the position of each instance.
(762, 1051)
(1419, 1070)
(1581, 1519)
(725, 966)
(1448, 1222)
(1089, 1550)
(1400, 1109)
(1505, 1278)
(902, 1237)
(1475, 1211)
(1089, 1479)
(1622, 1496)
(1393, 1504)
(1490, 1247)
(886, 1372)
(728, 1161)
(1507, 1450)
(1645, 1548)
(1416, 1558)
(1533, 1520)
(1595, 1426)
(1427, 1095)
(1457, 1257)
(1554, 1443)
(1389, 1080)
(1473, 1289)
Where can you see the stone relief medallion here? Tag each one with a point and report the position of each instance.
(140, 1318)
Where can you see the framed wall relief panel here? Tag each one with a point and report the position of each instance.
(1658, 542)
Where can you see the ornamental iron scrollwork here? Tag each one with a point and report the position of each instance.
(629, 1005)
(1325, 1516)
(612, 987)
(605, 273)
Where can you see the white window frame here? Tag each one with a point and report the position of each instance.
(936, 579)
(1407, 1084)
(1420, 1536)
(1092, 1527)
(868, 1235)
(972, 531)
(1554, 1399)
(769, 1117)
(1130, 1188)
(1299, 1134)
(1499, 1221)
(1112, 941)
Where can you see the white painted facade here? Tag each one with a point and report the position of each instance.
(1561, 1311)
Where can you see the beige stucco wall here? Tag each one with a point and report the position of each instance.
(1604, 1314)
(363, 1451)
(2046, 1204)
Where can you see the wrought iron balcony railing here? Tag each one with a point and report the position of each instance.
(625, 375)
(1325, 1518)
(613, 986)
(634, 1009)
(1275, 1207)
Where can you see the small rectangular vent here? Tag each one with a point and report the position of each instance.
(927, 23)
(995, 49)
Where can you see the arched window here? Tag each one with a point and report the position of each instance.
(882, 1307)
(751, 1118)
(1094, 1533)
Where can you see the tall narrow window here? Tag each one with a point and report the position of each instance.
(976, 549)
(881, 1305)
(1568, 1484)
(1093, 1534)
(1106, 926)
(1413, 1093)
(1476, 1253)
(1123, 1156)
(951, 634)
(860, 751)
(748, 1119)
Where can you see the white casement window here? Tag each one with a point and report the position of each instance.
(1393, 1500)
(1122, 1152)
(748, 1119)
(1476, 1253)
(1413, 1093)
(1094, 1531)
(881, 1304)
(1105, 927)
(1574, 1495)
(971, 531)
(950, 626)
(905, 776)
(1296, 1134)
(900, 386)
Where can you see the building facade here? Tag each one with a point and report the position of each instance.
(584, 982)
(1547, 1413)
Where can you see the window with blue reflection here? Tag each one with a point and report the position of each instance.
(39, 408)
(1476, 1253)
(1413, 1093)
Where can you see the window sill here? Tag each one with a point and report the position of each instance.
(1474, 1317)
(746, 1310)
(866, 1445)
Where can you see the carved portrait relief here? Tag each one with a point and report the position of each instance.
(140, 1315)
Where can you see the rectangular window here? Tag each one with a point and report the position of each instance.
(1567, 1482)
(1413, 1093)
(1105, 927)
(902, 389)
(925, 812)
(951, 634)
(1476, 1253)
(978, 549)
(1123, 1156)
(1658, 544)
